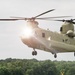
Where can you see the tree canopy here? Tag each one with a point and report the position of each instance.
(34, 67)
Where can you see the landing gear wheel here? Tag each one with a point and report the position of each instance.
(34, 53)
(55, 55)
(74, 53)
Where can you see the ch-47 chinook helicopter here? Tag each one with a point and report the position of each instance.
(38, 38)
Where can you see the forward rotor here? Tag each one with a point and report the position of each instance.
(33, 18)
(22, 18)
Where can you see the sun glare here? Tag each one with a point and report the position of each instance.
(26, 32)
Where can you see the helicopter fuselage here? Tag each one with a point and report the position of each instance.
(49, 41)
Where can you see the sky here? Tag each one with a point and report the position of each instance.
(11, 45)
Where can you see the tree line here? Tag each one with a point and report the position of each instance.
(34, 67)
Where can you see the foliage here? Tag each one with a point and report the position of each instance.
(34, 67)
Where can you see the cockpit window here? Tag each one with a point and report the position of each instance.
(43, 34)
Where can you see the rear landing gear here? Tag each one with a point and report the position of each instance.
(55, 55)
(74, 53)
(34, 52)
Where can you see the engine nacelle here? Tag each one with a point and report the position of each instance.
(66, 27)
(70, 33)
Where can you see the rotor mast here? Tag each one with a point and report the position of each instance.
(32, 24)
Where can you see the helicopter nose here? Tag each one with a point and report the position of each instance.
(29, 42)
(26, 41)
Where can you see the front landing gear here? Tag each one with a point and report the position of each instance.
(34, 52)
(55, 55)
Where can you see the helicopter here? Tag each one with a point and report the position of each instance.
(47, 40)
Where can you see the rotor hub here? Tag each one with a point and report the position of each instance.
(32, 23)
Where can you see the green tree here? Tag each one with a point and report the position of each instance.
(45, 68)
(4, 71)
(71, 71)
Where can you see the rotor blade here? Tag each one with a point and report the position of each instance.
(53, 17)
(70, 21)
(44, 13)
(60, 20)
(9, 19)
(21, 18)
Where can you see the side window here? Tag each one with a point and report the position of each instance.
(61, 29)
(43, 35)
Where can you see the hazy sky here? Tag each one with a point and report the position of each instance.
(10, 42)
